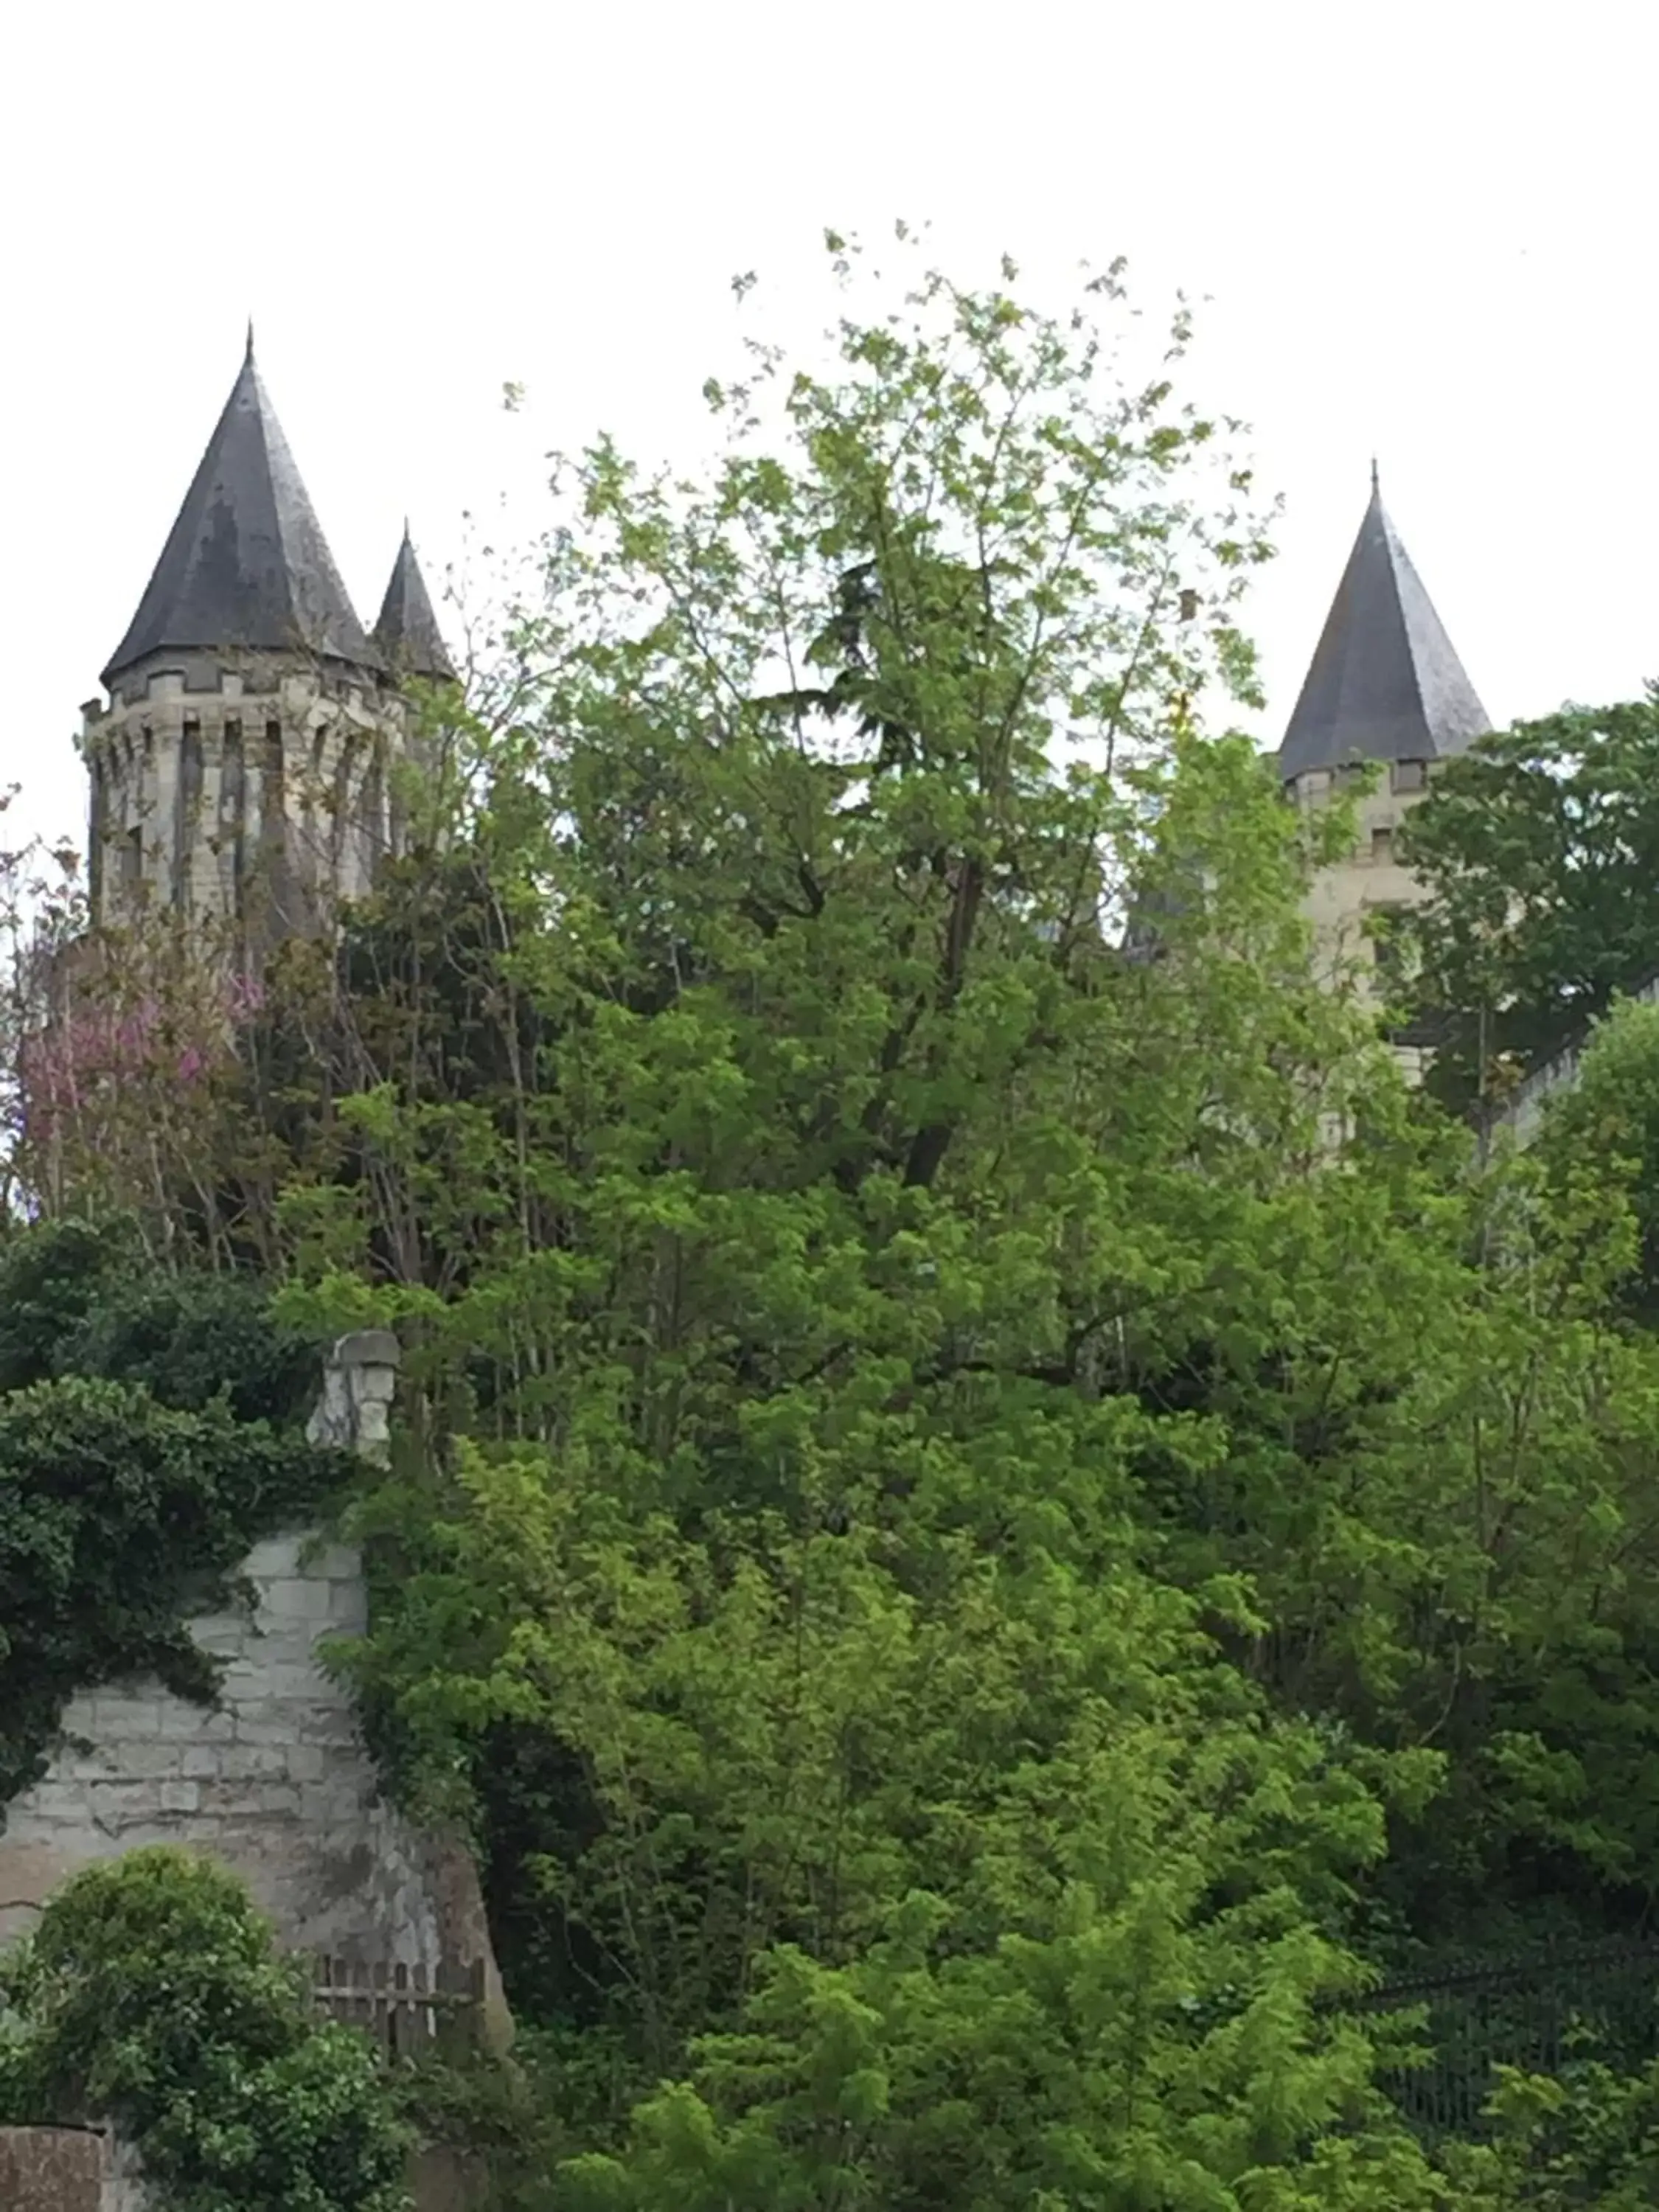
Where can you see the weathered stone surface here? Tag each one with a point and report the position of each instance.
(277, 1783)
(448, 2181)
(280, 1787)
(65, 2170)
(124, 2185)
(354, 1411)
(88, 2170)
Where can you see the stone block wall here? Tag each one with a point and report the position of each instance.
(52, 2170)
(217, 781)
(275, 1783)
(66, 2170)
(1345, 898)
(91, 2170)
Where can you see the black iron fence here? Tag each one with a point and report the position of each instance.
(1536, 2012)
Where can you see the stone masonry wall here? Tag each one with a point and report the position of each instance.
(53, 2170)
(1346, 897)
(204, 773)
(69, 2170)
(276, 1784)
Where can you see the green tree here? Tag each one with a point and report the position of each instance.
(151, 1996)
(1606, 1126)
(787, 1181)
(1540, 848)
(974, 1465)
(1586, 2141)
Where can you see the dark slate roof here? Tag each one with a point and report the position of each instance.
(247, 564)
(1385, 683)
(407, 630)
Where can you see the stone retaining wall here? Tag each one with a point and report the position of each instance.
(65, 2170)
(88, 2170)
(276, 1782)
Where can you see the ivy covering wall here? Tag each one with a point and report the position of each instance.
(149, 1435)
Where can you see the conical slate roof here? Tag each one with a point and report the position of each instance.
(247, 564)
(407, 630)
(1385, 683)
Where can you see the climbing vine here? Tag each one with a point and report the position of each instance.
(146, 1441)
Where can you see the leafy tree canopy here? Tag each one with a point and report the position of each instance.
(1540, 848)
(926, 1572)
(987, 1510)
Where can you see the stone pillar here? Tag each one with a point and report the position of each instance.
(360, 1381)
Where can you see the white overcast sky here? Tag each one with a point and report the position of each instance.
(1424, 230)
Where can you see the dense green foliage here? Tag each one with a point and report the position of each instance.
(990, 1515)
(1608, 1125)
(1540, 851)
(140, 1457)
(150, 1995)
(1588, 2138)
(963, 1573)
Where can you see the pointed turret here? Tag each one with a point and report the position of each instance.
(1385, 683)
(246, 566)
(406, 631)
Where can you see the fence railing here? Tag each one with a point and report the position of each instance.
(1528, 2011)
(405, 2009)
(1535, 2012)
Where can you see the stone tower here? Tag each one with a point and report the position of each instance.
(1385, 686)
(241, 773)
